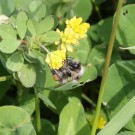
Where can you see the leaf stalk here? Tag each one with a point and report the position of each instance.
(37, 111)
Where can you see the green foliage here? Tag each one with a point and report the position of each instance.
(15, 61)
(21, 24)
(7, 32)
(28, 36)
(50, 37)
(120, 119)
(9, 45)
(46, 101)
(79, 9)
(47, 24)
(104, 29)
(49, 127)
(40, 75)
(27, 102)
(72, 119)
(36, 9)
(4, 86)
(126, 132)
(27, 75)
(126, 28)
(123, 91)
(12, 123)
(32, 26)
(56, 97)
(7, 4)
(82, 51)
(99, 1)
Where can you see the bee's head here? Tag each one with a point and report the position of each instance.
(74, 65)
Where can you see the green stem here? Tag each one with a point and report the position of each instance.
(88, 100)
(5, 78)
(45, 48)
(97, 10)
(106, 68)
(38, 121)
(19, 92)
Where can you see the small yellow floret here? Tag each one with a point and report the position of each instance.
(56, 59)
(68, 39)
(101, 122)
(67, 47)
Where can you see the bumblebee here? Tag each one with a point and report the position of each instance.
(71, 70)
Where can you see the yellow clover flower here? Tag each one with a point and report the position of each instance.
(74, 31)
(77, 26)
(56, 59)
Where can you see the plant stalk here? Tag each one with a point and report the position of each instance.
(19, 92)
(5, 78)
(106, 68)
(37, 109)
(97, 10)
(88, 100)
